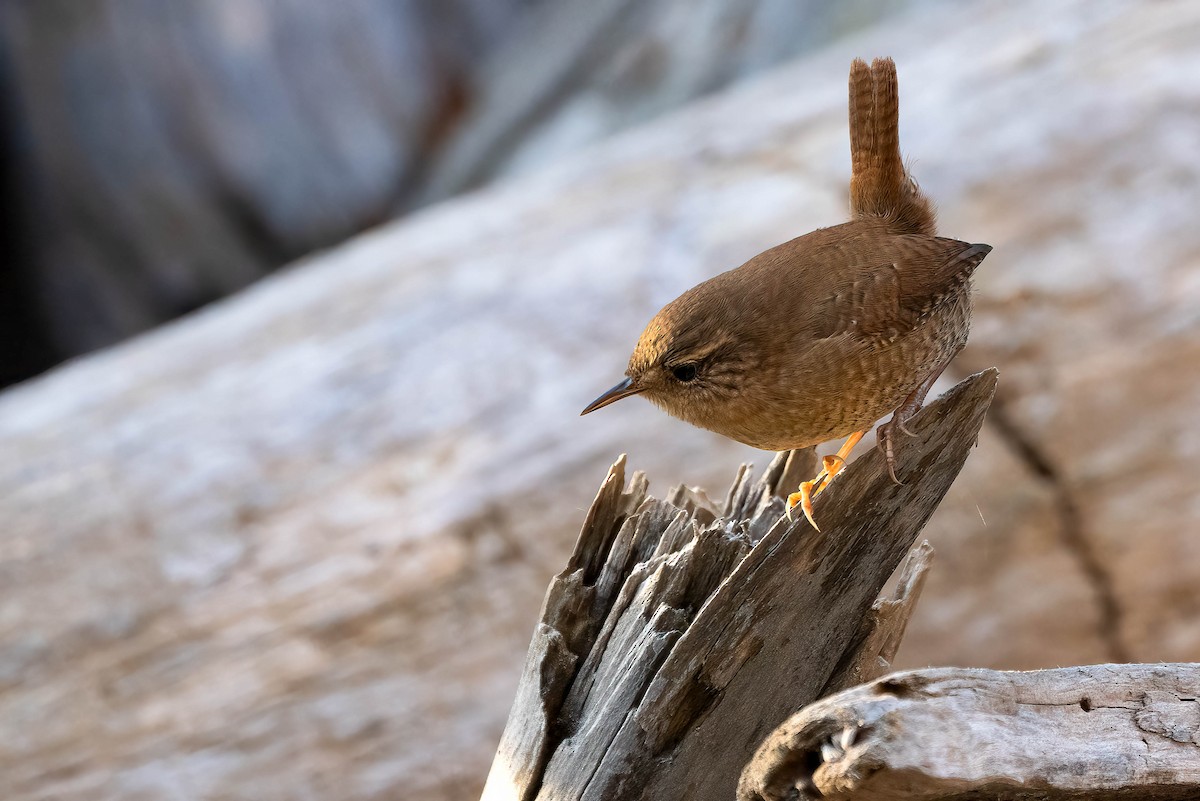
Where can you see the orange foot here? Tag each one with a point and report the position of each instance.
(830, 467)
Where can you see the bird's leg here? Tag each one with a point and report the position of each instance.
(833, 464)
(885, 434)
(830, 466)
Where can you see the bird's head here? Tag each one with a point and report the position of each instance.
(690, 360)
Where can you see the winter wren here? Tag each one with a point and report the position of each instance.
(819, 337)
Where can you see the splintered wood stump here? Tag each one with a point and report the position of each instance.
(1095, 733)
(680, 635)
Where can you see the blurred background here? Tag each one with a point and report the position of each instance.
(159, 157)
(293, 544)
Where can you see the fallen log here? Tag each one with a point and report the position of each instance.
(1094, 733)
(679, 635)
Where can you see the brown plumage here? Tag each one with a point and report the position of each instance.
(819, 337)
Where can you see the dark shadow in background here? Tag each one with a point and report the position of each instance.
(26, 347)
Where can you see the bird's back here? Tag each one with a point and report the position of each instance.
(866, 311)
(860, 275)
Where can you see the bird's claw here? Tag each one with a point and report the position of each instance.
(804, 497)
(883, 441)
(831, 465)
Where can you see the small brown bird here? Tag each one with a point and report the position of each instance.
(819, 337)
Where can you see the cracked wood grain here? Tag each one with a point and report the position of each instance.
(883, 628)
(1093, 733)
(690, 631)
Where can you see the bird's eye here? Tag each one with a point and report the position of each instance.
(685, 372)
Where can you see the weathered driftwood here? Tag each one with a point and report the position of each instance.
(1100, 733)
(881, 630)
(678, 637)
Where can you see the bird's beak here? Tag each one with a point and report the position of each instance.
(622, 390)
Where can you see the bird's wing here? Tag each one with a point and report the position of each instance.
(892, 298)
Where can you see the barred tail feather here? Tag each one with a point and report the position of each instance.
(880, 186)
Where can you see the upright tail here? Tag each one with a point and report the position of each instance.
(879, 184)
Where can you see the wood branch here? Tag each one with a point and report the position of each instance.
(678, 636)
(881, 631)
(1100, 733)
